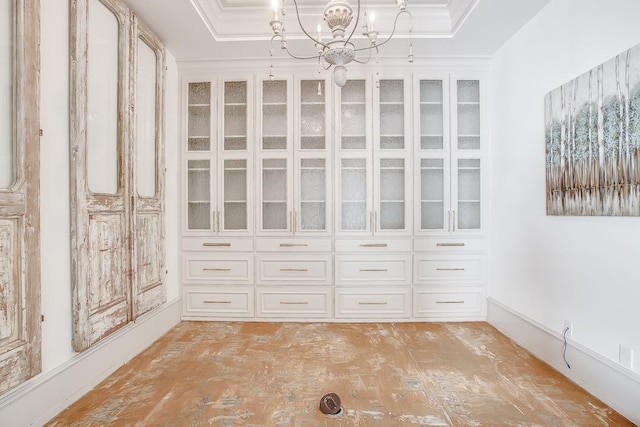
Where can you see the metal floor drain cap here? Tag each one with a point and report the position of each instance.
(331, 405)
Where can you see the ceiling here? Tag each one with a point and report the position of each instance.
(196, 30)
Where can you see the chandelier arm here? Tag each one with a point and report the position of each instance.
(395, 23)
(301, 57)
(355, 26)
(368, 57)
(305, 31)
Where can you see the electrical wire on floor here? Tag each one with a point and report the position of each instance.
(564, 347)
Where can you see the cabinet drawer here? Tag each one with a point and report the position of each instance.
(390, 269)
(440, 268)
(373, 245)
(373, 303)
(296, 301)
(217, 244)
(448, 245)
(294, 269)
(447, 303)
(218, 268)
(236, 302)
(293, 245)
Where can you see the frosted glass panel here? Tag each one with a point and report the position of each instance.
(431, 194)
(312, 194)
(354, 194)
(391, 114)
(468, 114)
(198, 195)
(312, 115)
(274, 194)
(235, 116)
(353, 112)
(235, 195)
(431, 115)
(274, 115)
(199, 120)
(103, 144)
(7, 163)
(146, 121)
(468, 194)
(392, 194)
(353, 126)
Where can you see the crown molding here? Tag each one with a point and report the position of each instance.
(245, 21)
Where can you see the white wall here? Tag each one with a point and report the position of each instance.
(551, 268)
(59, 361)
(55, 214)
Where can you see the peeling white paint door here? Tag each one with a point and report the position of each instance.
(147, 173)
(117, 170)
(20, 334)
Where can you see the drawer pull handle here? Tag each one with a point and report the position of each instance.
(374, 269)
(373, 245)
(449, 302)
(294, 302)
(217, 245)
(449, 244)
(216, 269)
(450, 269)
(293, 245)
(217, 302)
(373, 303)
(303, 270)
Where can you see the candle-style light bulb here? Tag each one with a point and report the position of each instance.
(372, 22)
(319, 33)
(274, 4)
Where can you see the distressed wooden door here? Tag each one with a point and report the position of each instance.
(147, 173)
(20, 334)
(117, 170)
(99, 182)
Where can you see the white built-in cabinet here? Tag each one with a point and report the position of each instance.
(303, 200)
(294, 263)
(218, 247)
(373, 236)
(450, 245)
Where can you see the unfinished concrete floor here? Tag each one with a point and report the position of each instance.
(274, 374)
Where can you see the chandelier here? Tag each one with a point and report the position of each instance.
(339, 51)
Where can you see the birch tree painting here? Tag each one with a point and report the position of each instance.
(592, 126)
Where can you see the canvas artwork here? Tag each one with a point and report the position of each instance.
(592, 127)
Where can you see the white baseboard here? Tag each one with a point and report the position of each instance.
(610, 382)
(39, 399)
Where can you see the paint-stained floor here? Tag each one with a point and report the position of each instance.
(274, 374)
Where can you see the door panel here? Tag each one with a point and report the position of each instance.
(20, 333)
(147, 177)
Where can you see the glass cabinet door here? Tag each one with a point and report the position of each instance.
(432, 194)
(391, 115)
(390, 215)
(235, 119)
(468, 114)
(467, 211)
(312, 195)
(433, 121)
(234, 189)
(276, 213)
(275, 121)
(199, 210)
(353, 111)
(199, 116)
(353, 195)
(468, 214)
(313, 119)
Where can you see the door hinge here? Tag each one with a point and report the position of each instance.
(42, 317)
(41, 132)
